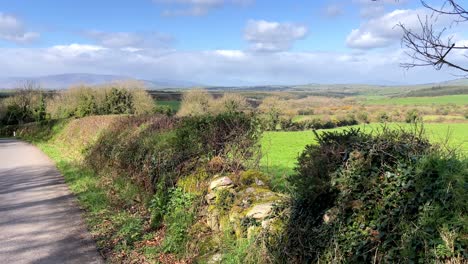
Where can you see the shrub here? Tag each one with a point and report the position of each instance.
(233, 136)
(117, 98)
(363, 198)
(230, 103)
(195, 102)
(363, 117)
(118, 101)
(271, 107)
(413, 116)
(383, 117)
(26, 105)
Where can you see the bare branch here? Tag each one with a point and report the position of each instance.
(429, 47)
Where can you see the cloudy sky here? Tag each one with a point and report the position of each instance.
(218, 42)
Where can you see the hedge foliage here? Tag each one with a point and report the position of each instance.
(389, 197)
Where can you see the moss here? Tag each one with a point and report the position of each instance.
(250, 177)
(224, 199)
(195, 183)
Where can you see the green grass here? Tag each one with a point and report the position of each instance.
(174, 105)
(461, 99)
(105, 214)
(281, 149)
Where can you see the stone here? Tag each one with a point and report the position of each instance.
(221, 183)
(260, 211)
(216, 258)
(259, 182)
(213, 222)
(250, 190)
(210, 197)
(266, 223)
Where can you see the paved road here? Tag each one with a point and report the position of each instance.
(40, 221)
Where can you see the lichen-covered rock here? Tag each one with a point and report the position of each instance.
(210, 198)
(212, 221)
(259, 182)
(221, 183)
(260, 211)
(216, 258)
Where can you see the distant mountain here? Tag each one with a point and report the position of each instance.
(64, 81)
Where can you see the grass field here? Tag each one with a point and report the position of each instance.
(174, 105)
(281, 149)
(461, 99)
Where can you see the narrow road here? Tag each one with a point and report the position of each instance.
(40, 221)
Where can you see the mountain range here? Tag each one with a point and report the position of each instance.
(64, 81)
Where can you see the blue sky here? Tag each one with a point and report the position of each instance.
(227, 42)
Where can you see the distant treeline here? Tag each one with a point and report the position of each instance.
(438, 91)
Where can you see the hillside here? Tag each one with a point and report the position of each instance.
(63, 81)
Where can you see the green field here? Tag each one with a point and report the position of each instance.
(434, 100)
(174, 105)
(281, 149)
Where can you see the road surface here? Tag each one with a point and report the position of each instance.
(40, 221)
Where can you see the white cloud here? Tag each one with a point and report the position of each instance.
(74, 50)
(233, 54)
(12, 29)
(130, 39)
(217, 67)
(268, 36)
(196, 7)
(383, 31)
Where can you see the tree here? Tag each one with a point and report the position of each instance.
(271, 107)
(196, 102)
(26, 105)
(119, 101)
(429, 46)
(230, 103)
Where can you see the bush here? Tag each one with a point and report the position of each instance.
(271, 108)
(363, 198)
(363, 117)
(26, 105)
(383, 117)
(159, 150)
(413, 116)
(117, 98)
(230, 103)
(195, 102)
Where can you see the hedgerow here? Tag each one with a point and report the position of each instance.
(389, 197)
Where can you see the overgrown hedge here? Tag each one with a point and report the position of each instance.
(389, 197)
(161, 149)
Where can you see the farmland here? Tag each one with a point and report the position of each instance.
(435, 100)
(281, 149)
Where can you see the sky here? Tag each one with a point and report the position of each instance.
(218, 42)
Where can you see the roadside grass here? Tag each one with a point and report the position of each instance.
(281, 149)
(113, 205)
(461, 99)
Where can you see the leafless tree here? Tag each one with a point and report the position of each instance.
(429, 46)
